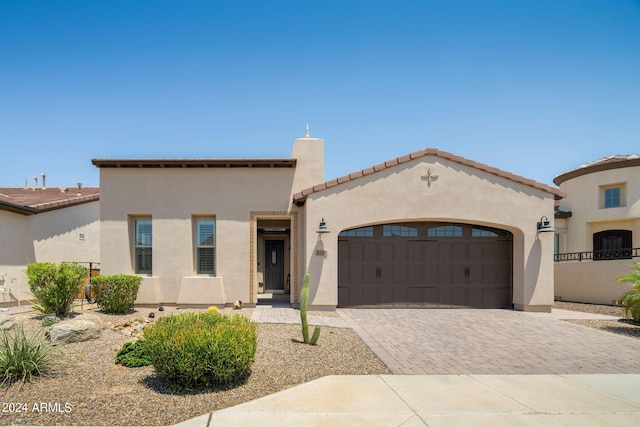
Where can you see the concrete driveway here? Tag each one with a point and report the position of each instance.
(467, 341)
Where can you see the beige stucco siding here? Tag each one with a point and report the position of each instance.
(52, 236)
(459, 194)
(583, 200)
(594, 281)
(172, 198)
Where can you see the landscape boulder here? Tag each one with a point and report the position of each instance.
(6, 322)
(73, 330)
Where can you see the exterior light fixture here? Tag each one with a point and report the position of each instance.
(322, 227)
(544, 226)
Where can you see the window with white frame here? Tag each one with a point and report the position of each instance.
(143, 245)
(205, 245)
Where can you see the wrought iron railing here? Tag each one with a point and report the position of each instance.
(602, 255)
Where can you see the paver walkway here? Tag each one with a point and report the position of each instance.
(466, 341)
(268, 314)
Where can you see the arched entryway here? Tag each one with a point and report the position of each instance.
(425, 264)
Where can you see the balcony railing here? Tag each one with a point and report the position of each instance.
(602, 255)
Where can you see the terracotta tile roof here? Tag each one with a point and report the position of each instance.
(300, 198)
(612, 162)
(30, 202)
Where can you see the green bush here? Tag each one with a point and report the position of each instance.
(631, 298)
(117, 293)
(133, 355)
(22, 356)
(55, 286)
(194, 350)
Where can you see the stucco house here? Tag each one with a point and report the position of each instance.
(597, 229)
(428, 229)
(45, 224)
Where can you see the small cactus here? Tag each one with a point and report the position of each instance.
(304, 297)
(213, 310)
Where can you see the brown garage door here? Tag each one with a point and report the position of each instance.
(425, 264)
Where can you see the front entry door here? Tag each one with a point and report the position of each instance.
(274, 265)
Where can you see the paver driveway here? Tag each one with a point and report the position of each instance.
(467, 341)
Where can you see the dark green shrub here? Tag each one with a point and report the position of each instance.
(22, 356)
(117, 293)
(55, 286)
(133, 355)
(194, 351)
(631, 298)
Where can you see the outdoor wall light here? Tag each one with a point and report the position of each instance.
(544, 226)
(322, 227)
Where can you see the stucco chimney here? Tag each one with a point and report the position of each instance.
(44, 180)
(309, 155)
(26, 183)
(79, 189)
(35, 178)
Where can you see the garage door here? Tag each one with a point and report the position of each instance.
(426, 265)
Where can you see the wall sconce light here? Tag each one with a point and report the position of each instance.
(322, 227)
(544, 226)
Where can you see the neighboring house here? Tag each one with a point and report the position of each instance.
(428, 229)
(597, 229)
(39, 224)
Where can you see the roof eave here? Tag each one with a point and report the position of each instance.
(595, 168)
(23, 210)
(195, 163)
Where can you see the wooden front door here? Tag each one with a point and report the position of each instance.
(274, 265)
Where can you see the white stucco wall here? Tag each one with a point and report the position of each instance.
(52, 236)
(461, 193)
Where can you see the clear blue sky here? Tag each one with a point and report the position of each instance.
(533, 87)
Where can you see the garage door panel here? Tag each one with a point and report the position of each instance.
(459, 296)
(451, 270)
(414, 251)
(385, 295)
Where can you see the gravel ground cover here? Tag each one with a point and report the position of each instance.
(88, 388)
(621, 326)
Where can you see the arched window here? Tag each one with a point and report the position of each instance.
(612, 244)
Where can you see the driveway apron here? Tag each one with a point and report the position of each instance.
(468, 341)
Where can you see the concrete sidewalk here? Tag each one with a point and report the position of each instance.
(443, 400)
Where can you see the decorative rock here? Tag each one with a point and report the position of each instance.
(139, 328)
(7, 325)
(152, 315)
(5, 319)
(91, 318)
(161, 308)
(73, 330)
(126, 333)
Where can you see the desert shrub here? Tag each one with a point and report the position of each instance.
(631, 298)
(213, 310)
(133, 355)
(23, 356)
(55, 286)
(50, 319)
(197, 350)
(116, 293)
